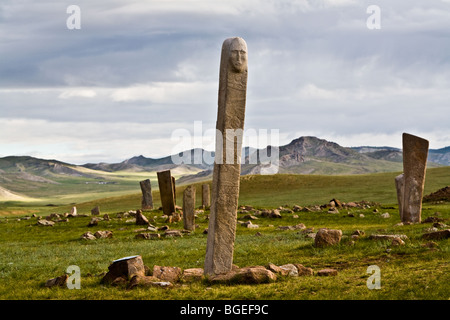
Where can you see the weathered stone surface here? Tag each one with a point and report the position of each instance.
(174, 190)
(166, 191)
(95, 211)
(400, 187)
(189, 208)
(327, 272)
(304, 271)
(141, 219)
(443, 234)
(142, 281)
(326, 237)
(57, 282)
(171, 274)
(226, 174)
(385, 215)
(103, 234)
(206, 196)
(43, 222)
(93, 222)
(415, 153)
(276, 269)
(88, 236)
(291, 269)
(73, 212)
(147, 198)
(387, 236)
(124, 268)
(173, 233)
(248, 275)
(146, 235)
(397, 242)
(193, 274)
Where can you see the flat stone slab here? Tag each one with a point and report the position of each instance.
(387, 236)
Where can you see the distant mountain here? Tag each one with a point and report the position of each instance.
(305, 155)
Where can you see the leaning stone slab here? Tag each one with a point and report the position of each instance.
(103, 234)
(88, 236)
(227, 162)
(141, 219)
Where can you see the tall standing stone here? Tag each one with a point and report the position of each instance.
(147, 198)
(174, 190)
(415, 153)
(166, 192)
(229, 133)
(206, 196)
(189, 208)
(400, 186)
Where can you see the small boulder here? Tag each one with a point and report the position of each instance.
(171, 274)
(88, 236)
(326, 237)
(103, 234)
(193, 274)
(57, 282)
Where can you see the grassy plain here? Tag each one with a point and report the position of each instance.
(31, 254)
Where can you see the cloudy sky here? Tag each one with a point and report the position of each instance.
(138, 71)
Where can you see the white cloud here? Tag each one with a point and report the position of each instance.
(84, 93)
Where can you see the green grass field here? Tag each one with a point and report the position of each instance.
(31, 254)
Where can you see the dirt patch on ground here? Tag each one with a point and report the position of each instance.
(440, 195)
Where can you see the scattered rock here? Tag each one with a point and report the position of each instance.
(124, 268)
(275, 214)
(93, 222)
(103, 234)
(430, 244)
(437, 235)
(171, 274)
(173, 233)
(297, 208)
(106, 217)
(358, 233)
(326, 237)
(43, 222)
(57, 282)
(141, 219)
(88, 236)
(147, 281)
(249, 275)
(333, 210)
(385, 215)
(327, 272)
(291, 269)
(304, 271)
(193, 274)
(387, 236)
(397, 242)
(148, 236)
(278, 270)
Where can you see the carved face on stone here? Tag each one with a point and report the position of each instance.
(238, 55)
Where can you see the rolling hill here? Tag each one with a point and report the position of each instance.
(38, 178)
